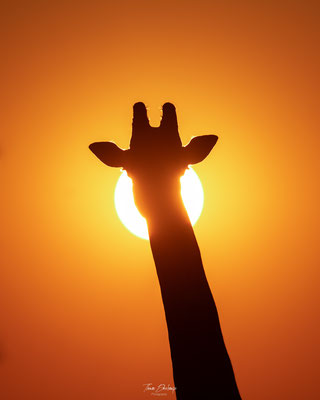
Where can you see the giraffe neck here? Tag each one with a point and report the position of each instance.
(201, 365)
(176, 254)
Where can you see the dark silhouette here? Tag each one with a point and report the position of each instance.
(155, 161)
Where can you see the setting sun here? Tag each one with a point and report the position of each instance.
(191, 192)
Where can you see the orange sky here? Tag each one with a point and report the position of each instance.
(82, 316)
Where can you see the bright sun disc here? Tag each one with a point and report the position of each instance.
(192, 196)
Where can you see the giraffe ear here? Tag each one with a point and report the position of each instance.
(109, 153)
(198, 148)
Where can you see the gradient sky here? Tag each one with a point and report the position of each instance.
(82, 316)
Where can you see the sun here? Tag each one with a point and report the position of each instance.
(191, 192)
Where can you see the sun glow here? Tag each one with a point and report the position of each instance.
(191, 192)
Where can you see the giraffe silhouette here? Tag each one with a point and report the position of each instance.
(155, 161)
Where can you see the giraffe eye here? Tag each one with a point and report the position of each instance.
(191, 192)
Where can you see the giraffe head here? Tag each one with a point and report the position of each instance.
(156, 158)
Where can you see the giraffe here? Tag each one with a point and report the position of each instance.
(155, 161)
